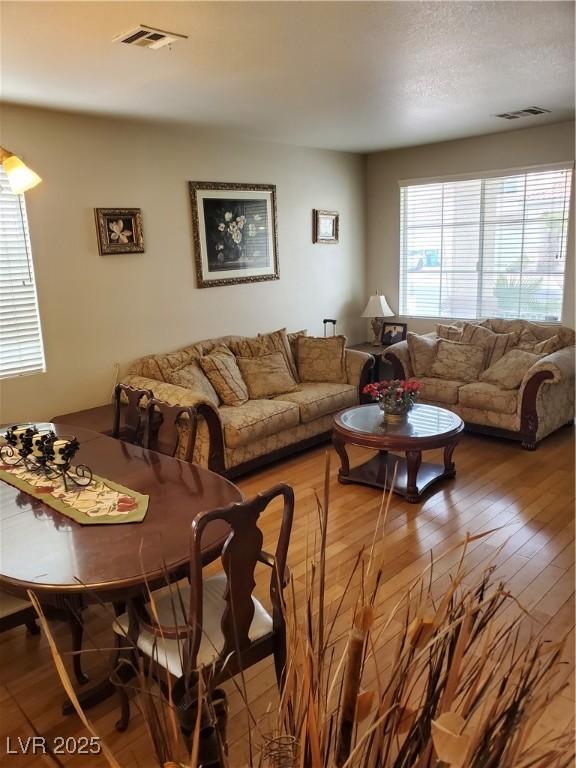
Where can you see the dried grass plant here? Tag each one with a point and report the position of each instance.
(433, 681)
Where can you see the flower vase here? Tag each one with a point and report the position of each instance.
(394, 412)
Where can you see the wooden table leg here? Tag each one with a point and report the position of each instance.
(340, 448)
(449, 466)
(413, 461)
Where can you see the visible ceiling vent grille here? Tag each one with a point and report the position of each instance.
(528, 112)
(148, 37)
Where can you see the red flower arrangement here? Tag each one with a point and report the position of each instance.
(396, 396)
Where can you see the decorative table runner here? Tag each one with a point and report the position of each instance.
(103, 501)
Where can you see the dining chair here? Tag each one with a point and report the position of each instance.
(128, 417)
(216, 621)
(14, 611)
(161, 430)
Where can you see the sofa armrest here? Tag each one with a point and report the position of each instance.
(560, 364)
(552, 369)
(399, 357)
(358, 368)
(175, 395)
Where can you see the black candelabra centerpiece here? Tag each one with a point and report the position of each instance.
(44, 452)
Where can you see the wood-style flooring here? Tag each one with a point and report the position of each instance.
(497, 484)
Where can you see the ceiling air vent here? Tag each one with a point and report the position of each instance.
(149, 37)
(528, 112)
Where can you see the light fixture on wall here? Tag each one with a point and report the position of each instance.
(377, 309)
(21, 177)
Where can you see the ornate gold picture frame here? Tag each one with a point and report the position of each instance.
(234, 229)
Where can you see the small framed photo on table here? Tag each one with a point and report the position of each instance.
(392, 333)
(325, 226)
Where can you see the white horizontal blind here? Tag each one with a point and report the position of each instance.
(21, 348)
(488, 247)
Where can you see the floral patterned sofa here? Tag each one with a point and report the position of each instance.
(542, 403)
(232, 440)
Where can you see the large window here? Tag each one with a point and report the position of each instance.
(488, 247)
(21, 349)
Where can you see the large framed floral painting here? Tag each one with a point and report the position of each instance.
(119, 230)
(234, 231)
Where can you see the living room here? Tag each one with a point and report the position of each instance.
(333, 118)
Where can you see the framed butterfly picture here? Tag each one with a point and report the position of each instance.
(119, 230)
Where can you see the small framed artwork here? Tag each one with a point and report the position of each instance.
(119, 230)
(392, 333)
(234, 232)
(325, 226)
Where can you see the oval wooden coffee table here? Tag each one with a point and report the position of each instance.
(424, 428)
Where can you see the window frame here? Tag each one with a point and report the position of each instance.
(481, 176)
(40, 365)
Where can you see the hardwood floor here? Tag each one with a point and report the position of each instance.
(528, 496)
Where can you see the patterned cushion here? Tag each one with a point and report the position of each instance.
(264, 344)
(495, 345)
(457, 362)
(440, 390)
(509, 371)
(448, 332)
(530, 343)
(422, 350)
(192, 377)
(292, 338)
(488, 397)
(266, 375)
(179, 359)
(321, 359)
(255, 419)
(222, 370)
(318, 399)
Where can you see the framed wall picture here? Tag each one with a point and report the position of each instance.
(392, 333)
(119, 230)
(325, 226)
(234, 231)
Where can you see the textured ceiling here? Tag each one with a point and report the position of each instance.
(347, 75)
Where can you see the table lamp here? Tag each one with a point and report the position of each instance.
(377, 308)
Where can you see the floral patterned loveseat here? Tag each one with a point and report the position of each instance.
(235, 439)
(543, 402)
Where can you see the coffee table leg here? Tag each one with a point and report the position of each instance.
(340, 448)
(413, 461)
(449, 466)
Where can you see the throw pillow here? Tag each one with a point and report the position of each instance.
(321, 359)
(192, 377)
(265, 344)
(448, 332)
(456, 361)
(495, 345)
(293, 338)
(266, 376)
(422, 350)
(222, 370)
(530, 343)
(509, 371)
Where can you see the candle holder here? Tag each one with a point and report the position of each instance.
(45, 453)
(18, 443)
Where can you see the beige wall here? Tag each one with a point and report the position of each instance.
(98, 310)
(531, 146)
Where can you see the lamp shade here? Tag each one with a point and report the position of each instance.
(19, 175)
(377, 307)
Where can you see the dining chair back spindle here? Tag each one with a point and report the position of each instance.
(162, 428)
(224, 627)
(129, 415)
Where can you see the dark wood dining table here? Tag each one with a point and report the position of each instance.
(68, 565)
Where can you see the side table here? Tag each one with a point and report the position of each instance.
(382, 369)
(99, 419)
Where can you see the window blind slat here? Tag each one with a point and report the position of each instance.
(494, 246)
(21, 347)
